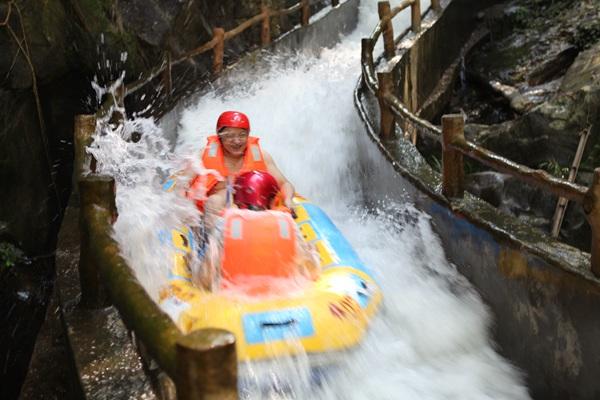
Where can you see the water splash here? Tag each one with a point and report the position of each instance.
(431, 338)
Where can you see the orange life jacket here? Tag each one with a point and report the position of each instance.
(213, 159)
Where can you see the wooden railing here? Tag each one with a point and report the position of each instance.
(451, 135)
(217, 44)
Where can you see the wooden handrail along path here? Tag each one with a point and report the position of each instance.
(451, 135)
(203, 364)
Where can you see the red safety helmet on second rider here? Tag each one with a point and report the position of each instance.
(233, 119)
(255, 190)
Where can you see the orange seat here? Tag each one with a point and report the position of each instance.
(258, 244)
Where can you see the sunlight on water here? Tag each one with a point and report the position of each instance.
(431, 338)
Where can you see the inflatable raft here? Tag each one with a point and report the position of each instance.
(327, 311)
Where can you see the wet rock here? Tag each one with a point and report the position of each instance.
(149, 20)
(554, 67)
(529, 204)
(584, 73)
(487, 185)
(530, 47)
(535, 64)
(518, 102)
(509, 195)
(524, 64)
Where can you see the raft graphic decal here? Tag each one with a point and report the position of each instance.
(329, 238)
(345, 308)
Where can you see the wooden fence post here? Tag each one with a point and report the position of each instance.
(436, 5)
(387, 119)
(166, 75)
(335, 3)
(591, 206)
(206, 366)
(305, 12)
(84, 128)
(415, 19)
(562, 203)
(367, 51)
(218, 50)
(387, 29)
(93, 191)
(265, 32)
(453, 129)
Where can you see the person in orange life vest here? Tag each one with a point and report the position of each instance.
(231, 152)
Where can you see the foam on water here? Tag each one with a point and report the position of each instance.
(431, 337)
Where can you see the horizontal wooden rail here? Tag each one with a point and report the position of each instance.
(535, 177)
(424, 127)
(217, 41)
(288, 11)
(380, 27)
(196, 52)
(244, 25)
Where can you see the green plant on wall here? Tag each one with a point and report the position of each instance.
(435, 162)
(586, 35)
(554, 168)
(10, 255)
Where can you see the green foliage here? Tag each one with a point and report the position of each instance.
(435, 163)
(10, 255)
(554, 168)
(537, 13)
(587, 35)
(521, 17)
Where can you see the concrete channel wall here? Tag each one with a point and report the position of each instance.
(108, 362)
(541, 292)
(437, 47)
(325, 32)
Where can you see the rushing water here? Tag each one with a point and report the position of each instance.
(431, 337)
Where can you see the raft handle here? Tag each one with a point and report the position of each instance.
(288, 322)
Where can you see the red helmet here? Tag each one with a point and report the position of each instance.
(255, 190)
(233, 119)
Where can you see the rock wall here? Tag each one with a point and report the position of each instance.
(528, 62)
(530, 93)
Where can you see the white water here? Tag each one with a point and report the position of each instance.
(431, 338)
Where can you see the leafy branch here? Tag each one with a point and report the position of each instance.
(10, 255)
